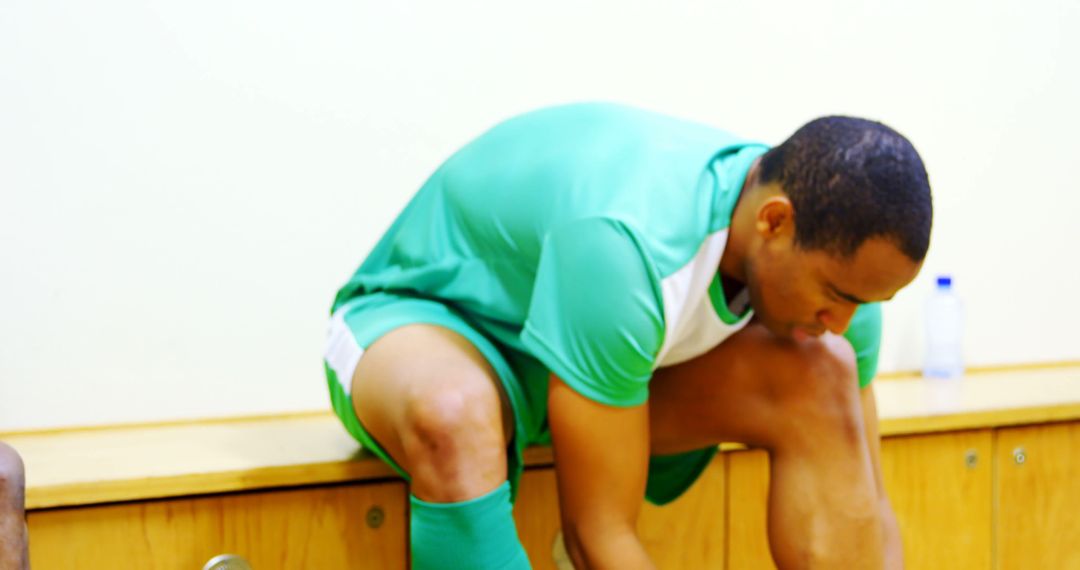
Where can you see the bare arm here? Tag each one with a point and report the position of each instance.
(601, 462)
(894, 548)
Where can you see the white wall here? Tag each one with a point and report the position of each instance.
(183, 185)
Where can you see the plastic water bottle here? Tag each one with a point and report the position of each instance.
(944, 357)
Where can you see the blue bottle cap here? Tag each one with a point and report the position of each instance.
(944, 281)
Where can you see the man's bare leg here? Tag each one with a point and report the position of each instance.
(800, 401)
(431, 400)
(14, 554)
(429, 397)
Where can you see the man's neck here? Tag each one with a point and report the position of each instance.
(733, 262)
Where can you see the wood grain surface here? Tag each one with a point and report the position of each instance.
(1038, 497)
(325, 528)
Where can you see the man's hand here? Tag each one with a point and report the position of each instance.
(601, 461)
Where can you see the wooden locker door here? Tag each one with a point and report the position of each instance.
(348, 526)
(1038, 497)
(748, 493)
(940, 488)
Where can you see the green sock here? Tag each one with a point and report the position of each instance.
(478, 534)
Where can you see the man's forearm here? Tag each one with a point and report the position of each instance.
(601, 464)
(612, 548)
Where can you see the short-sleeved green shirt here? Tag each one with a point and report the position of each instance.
(585, 239)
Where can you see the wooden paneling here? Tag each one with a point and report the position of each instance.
(1038, 497)
(941, 487)
(748, 494)
(536, 514)
(687, 533)
(325, 528)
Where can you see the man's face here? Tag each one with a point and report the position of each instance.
(797, 293)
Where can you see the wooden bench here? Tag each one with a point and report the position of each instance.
(992, 478)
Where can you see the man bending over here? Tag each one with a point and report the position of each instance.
(633, 289)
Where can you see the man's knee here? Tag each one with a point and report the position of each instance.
(12, 477)
(457, 422)
(755, 388)
(820, 395)
(454, 443)
(828, 369)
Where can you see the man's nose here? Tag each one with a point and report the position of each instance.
(837, 318)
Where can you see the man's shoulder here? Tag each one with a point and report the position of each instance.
(630, 122)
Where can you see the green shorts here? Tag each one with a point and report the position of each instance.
(361, 321)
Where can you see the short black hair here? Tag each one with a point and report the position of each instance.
(849, 180)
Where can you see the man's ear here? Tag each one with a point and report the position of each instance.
(775, 217)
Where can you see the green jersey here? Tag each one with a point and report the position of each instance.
(587, 237)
